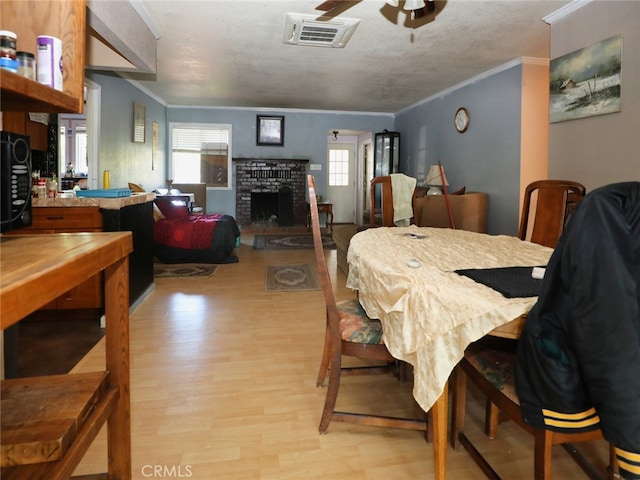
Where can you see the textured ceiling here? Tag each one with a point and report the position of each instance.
(230, 52)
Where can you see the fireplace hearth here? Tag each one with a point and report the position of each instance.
(264, 206)
(270, 191)
(273, 207)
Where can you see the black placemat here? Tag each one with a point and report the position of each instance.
(509, 281)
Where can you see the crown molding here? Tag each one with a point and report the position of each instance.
(565, 11)
(477, 78)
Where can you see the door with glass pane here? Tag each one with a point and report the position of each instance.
(341, 181)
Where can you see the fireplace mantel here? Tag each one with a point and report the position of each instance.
(252, 175)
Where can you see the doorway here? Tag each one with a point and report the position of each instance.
(341, 180)
(72, 147)
(78, 140)
(348, 176)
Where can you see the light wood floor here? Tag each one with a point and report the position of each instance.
(223, 387)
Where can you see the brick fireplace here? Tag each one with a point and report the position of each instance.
(277, 189)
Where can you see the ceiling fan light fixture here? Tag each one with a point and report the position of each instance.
(418, 7)
(413, 5)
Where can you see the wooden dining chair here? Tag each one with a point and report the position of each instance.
(491, 370)
(349, 332)
(556, 199)
(385, 207)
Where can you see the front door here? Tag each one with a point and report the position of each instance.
(341, 179)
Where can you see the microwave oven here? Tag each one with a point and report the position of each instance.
(15, 181)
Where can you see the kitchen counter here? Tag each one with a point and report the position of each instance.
(106, 203)
(112, 214)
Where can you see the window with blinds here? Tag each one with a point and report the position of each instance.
(201, 153)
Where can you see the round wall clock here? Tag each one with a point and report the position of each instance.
(461, 120)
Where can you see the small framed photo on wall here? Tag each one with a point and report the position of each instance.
(270, 130)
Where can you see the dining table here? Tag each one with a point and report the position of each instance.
(410, 278)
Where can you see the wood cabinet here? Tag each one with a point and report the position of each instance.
(64, 220)
(19, 122)
(87, 295)
(65, 19)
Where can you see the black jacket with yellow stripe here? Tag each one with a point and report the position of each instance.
(578, 359)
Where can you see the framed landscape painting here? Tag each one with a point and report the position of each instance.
(586, 82)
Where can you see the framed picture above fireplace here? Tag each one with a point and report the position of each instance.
(270, 130)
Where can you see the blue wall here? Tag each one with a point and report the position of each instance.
(305, 137)
(128, 161)
(485, 158)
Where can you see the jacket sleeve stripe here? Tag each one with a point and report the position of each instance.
(569, 416)
(568, 425)
(628, 462)
(585, 419)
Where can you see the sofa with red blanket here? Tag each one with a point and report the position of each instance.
(180, 237)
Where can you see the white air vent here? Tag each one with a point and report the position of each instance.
(300, 29)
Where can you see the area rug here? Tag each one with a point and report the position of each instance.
(290, 278)
(289, 242)
(165, 270)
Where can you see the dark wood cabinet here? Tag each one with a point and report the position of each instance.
(386, 154)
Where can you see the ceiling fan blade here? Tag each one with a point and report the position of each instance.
(328, 5)
(333, 8)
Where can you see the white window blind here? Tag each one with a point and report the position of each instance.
(213, 141)
(201, 153)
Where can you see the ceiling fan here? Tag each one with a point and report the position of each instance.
(336, 7)
(419, 8)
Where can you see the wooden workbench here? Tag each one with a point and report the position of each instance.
(51, 444)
